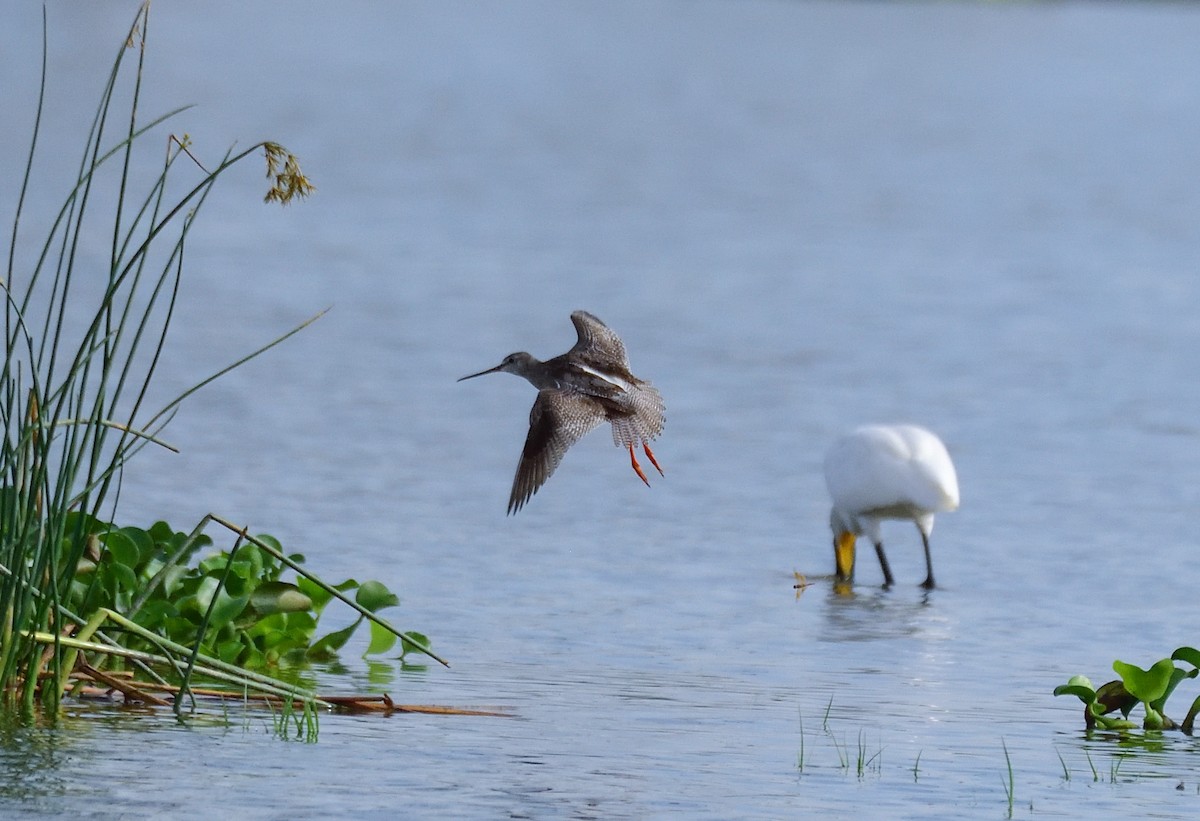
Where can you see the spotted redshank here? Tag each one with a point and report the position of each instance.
(589, 384)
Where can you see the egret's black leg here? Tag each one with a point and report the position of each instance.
(883, 563)
(928, 583)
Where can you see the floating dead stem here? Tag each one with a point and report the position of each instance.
(101, 685)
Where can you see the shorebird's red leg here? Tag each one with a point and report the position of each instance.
(636, 467)
(653, 461)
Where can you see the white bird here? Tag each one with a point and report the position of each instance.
(878, 472)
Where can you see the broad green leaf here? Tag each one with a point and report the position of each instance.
(330, 644)
(413, 642)
(155, 612)
(256, 561)
(382, 640)
(143, 541)
(237, 585)
(268, 539)
(122, 575)
(299, 628)
(315, 593)
(214, 564)
(1115, 723)
(226, 610)
(375, 596)
(172, 580)
(1189, 721)
(1145, 685)
(160, 532)
(1189, 654)
(1177, 675)
(1084, 692)
(180, 628)
(1112, 695)
(279, 597)
(229, 651)
(122, 549)
(271, 638)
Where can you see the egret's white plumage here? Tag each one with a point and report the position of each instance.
(879, 472)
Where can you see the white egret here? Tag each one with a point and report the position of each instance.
(879, 472)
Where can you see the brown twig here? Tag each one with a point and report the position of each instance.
(127, 689)
(352, 703)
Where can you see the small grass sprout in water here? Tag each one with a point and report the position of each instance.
(864, 761)
(1009, 783)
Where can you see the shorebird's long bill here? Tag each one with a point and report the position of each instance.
(481, 373)
(843, 555)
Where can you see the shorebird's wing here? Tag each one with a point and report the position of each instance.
(598, 344)
(558, 420)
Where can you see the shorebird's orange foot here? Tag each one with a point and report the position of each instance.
(636, 467)
(653, 461)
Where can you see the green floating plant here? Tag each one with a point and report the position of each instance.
(237, 605)
(1150, 688)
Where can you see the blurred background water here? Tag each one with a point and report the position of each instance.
(800, 216)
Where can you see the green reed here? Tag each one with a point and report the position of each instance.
(83, 341)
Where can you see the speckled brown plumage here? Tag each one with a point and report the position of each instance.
(588, 385)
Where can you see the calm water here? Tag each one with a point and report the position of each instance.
(800, 217)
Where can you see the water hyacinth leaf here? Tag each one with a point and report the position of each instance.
(300, 625)
(319, 595)
(1189, 722)
(122, 549)
(276, 622)
(141, 538)
(413, 642)
(121, 577)
(161, 532)
(155, 612)
(279, 597)
(173, 579)
(214, 564)
(1112, 695)
(1177, 675)
(238, 585)
(243, 567)
(382, 640)
(226, 610)
(1115, 723)
(269, 639)
(329, 645)
(1146, 685)
(267, 538)
(230, 652)
(1188, 654)
(1080, 686)
(374, 596)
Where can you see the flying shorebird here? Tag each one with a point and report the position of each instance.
(589, 384)
(881, 472)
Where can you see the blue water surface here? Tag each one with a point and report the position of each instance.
(800, 216)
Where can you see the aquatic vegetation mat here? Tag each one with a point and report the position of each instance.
(1150, 688)
(85, 602)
